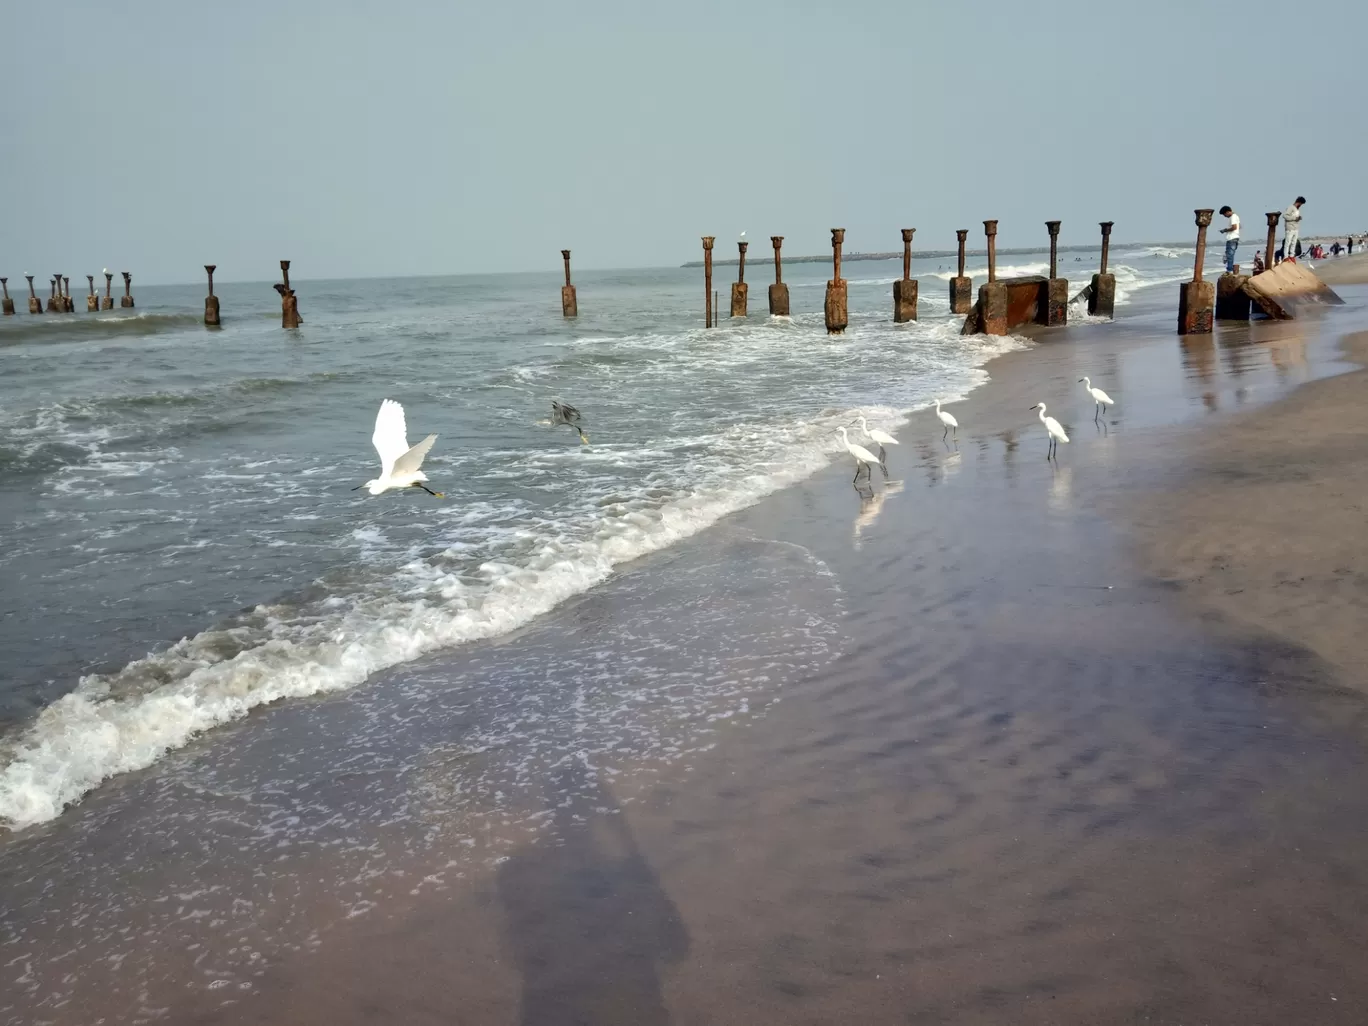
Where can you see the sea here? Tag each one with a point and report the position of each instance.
(183, 544)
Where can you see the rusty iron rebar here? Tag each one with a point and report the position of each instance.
(776, 241)
(1203, 217)
(741, 267)
(837, 239)
(907, 252)
(565, 255)
(209, 270)
(1053, 228)
(990, 230)
(961, 234)
(32, 294)
(109, 284)
(1272, 237)
(1106, 243)
(707, 280)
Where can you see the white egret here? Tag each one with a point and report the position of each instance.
(564, 413)
(399, 462)
(947, 420)
(1053, 428)
(875, 435)
(1099, 397)
(863, 457)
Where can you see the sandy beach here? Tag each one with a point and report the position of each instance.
(1056, 743)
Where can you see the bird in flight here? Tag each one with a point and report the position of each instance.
(399, 462)
(564, 413)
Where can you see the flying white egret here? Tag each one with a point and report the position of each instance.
(399, 462)
(1053, 428)
(875, 435)
(947, 420)
(863, 457)
(1099, 397)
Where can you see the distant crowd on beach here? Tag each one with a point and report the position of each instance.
(1291, 247)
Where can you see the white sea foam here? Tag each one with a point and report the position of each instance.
(1003, 271)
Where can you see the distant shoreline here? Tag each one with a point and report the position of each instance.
(938, 253)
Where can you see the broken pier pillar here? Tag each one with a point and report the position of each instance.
(1232, 302)
(992, 301)
(739, 287)
(67, 304)
(961, 288)
(905, 290)
(1054, 294)
(108, 302)
(126, 300)
(92, 300)
(6, 304)
(708, 241)
(569, 301)
(836, 308)
(289, 304)
(54, 304)
(35, 304)
(211, 303)
(1197, 298)
(1272, 238)
(1102, 297)
(778, 292)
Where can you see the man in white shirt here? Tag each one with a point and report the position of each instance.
(1232, 234)
(1292, 229)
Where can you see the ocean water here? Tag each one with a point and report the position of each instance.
(182, 544)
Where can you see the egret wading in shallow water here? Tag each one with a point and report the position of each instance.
(1099, 397)
(1054, 429)
(863, 457)
(946, 419)
(564, 413)
(875, 435)
(399, 462)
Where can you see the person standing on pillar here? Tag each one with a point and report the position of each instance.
(1232, 234)
(1292, 229)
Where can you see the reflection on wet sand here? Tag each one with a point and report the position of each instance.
(871, 505)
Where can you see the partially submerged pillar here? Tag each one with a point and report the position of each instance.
(778, 292)
(108, 302)
(67, 304)
(6, 304)
(289, 305)
(905, 291)
(1102, 298)
(1232, 302)
(1272, 233)
(1197, 298)
(35, 304)
(54, 303)
(569, 301)
(739, 287)
(707, 281)
(992, 301)
(126, 300)
(837, 313)
(961, 288)
(1053, 309)
(211, 303)
(92, 300)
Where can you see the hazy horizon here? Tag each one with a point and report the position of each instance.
(426, 140)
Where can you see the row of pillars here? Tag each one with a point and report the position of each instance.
(1200, 301)
(60, 301)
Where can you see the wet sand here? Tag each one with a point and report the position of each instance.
(978, 745)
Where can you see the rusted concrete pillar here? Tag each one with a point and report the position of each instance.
(1053, 308)
(1272, 233)
(837, 313)
(1232, 302)
(739, 287)
(778, 292)
(289, 304)
(35, 304)
(211, 303)
(905, 291)
(53, 306)
(108, 302)
(1102, 297)
(569, 301)
(707, 280)
(126, 300)
(92, 300)
(961, 288)
(1197, 298)
(6, 304)
(67, 304)
(992, 299)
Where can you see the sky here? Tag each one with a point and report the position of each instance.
(362, 140)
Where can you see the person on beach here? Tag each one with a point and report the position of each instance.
(1258, 263)
(1351, 245)
(1232, 234)
(1292, 229)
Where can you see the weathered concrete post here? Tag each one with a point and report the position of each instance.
(92, 300)
(905, 291)
(961, 288)
(1053, 308)
(7, 304)
(740, 289)
(707, 281)
(108, 302)
(126, 300)
(837, 313)
(52, 305)
(1102, 297)
(35, 304)
(778, 292)
(1232, 302)
(1197, 298)
(67, 304)
(211, 303)
(993, 296)
(289, 304)
(569, 301)
(1272, 233)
